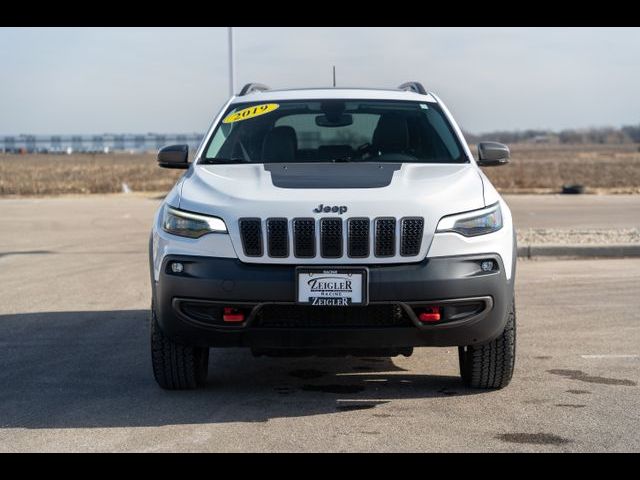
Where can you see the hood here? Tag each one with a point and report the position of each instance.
(368, 190)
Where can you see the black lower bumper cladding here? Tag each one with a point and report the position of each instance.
(473, 302)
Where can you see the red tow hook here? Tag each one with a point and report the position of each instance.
(431, 314)
(231, 314)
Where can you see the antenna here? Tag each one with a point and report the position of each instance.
(334, 76)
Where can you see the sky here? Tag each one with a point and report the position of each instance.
(139, 80)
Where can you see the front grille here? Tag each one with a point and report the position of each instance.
(303, 316)
(251, 234)
(363, 240)
(385, 237)
(277, 237)
(331, 237)
(358, 235)
(411, 235)
(304, 237)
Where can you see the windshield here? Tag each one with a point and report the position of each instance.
(334, 131)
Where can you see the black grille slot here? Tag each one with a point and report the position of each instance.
(304, 237)
(385, 237)
(277, 237)
(331, 237)
(251, 234)
(358, 237)
(411, 236)
(304, 316)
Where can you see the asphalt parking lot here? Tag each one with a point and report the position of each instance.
(575, 211)
(76, 371)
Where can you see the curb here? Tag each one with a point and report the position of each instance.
(605, 251)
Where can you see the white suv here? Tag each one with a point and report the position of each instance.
(333, 222)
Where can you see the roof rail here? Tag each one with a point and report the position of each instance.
(413, 87)
(252, 87)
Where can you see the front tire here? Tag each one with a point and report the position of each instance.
(176, 366)
(490, 365)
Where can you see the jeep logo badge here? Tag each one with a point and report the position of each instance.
(327, 209)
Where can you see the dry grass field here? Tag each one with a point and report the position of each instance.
(534, 169)
(545, 168)
(82, 173)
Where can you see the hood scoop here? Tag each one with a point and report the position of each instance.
(331, 175)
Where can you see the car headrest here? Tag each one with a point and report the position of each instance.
(391, 133)
(280, 145)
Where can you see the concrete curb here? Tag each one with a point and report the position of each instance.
(605, 251)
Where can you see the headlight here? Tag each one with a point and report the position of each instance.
(470, 224)
(192, 225)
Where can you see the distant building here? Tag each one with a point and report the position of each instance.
(551, 139)
(118, 142)
(139, 142)
(9, 144)
(77, 143)
(99, 143)
(161, 140)
(30, 143)
(56, 144)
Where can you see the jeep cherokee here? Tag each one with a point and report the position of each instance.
(336, 222)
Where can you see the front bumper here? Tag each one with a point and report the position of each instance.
(456, 280)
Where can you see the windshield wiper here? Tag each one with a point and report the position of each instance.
(341, 160)
(220, 161)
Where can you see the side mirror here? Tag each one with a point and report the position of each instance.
(492, 154)
(174, 156)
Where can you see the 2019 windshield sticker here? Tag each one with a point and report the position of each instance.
(250, 112)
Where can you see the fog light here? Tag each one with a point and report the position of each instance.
(177, 267)
(486, 265)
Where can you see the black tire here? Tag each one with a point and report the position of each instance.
(176, 366)
(490, 365)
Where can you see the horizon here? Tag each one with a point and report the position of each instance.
(188, 133)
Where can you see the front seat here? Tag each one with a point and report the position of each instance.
(280, 145)
(391, 134)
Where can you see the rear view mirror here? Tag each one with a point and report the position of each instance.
(343, 120)
(493, 154)
(174, 156)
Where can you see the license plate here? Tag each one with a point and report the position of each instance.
(332, 287)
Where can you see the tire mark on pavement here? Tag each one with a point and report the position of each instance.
(533, 438)
(583, 377)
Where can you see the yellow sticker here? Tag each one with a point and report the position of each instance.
(250, 112)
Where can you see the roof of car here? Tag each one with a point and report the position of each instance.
(331, 93)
